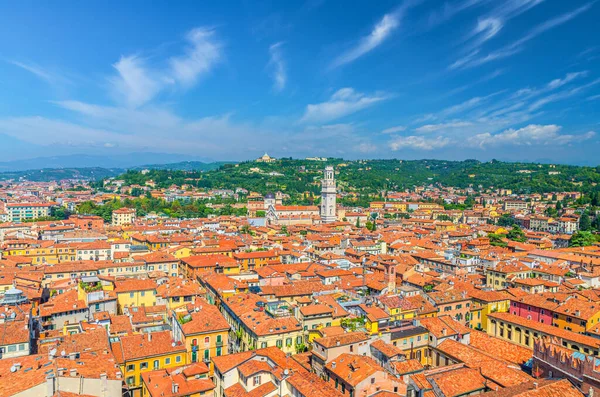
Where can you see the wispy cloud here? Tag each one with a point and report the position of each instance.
(393, 130)
(137, 82)
(449, 10)
(557, 83)
(561, 95)
(530, 135)
(418, 142)
(442, 126)
(380, 32)
(40, 72)
(150, 128)
(277, 66)
(342, 103)
(474, 58)
(200, 57)
(133, 84)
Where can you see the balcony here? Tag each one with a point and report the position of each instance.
(219, 343)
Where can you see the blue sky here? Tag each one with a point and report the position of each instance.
(511, 80)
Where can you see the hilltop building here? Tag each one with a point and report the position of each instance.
(265, 159)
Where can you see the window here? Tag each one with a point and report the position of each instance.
(12, 348)
(263, 345)
(256, 380)
(130, 367)
(207, 340)
(177, 359)
(155, 364)
(130, 380)
(144, 365)
(298, 340)
(279, 343)
(288, 341)
(131, 294)
(219, 339)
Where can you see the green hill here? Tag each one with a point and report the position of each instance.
(371, 176)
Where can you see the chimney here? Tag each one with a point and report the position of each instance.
(149, 336)
(535, 385)
(73, 372)
(444, 331)
(50, 390)
(174, 388)
(333, 365)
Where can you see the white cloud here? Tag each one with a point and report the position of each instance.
(487, 28)
(366, 147)
(134, 85)
(419, 143)
(557, 83)
(200, 57)
(381, 31)
(531, 135)
(343, 102)
(35, 70)
(442, 126)
(41, 73)
(473, 59)
(278, 67)
(393, 130)
(561, 95)
(449, 10)
(158, 129)
(137, 83)
(461, 107)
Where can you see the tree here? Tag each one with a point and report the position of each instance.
(245, 229)
(358, 222)
(595, 199)
(516, 234)
(506, 220)
(583, 239)
(585, 224)
(497, 240)
(558, 206)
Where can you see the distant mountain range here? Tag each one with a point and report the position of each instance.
(123, 161)
(98, 167)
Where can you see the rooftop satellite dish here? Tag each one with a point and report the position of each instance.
(286, 372)
(53, 352)
(13, 368)
(63, 353)
(173, 344)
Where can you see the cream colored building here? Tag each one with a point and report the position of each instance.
(123, 216)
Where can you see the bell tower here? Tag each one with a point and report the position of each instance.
(328, 196)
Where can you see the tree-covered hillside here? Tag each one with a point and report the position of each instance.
(296, 177)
